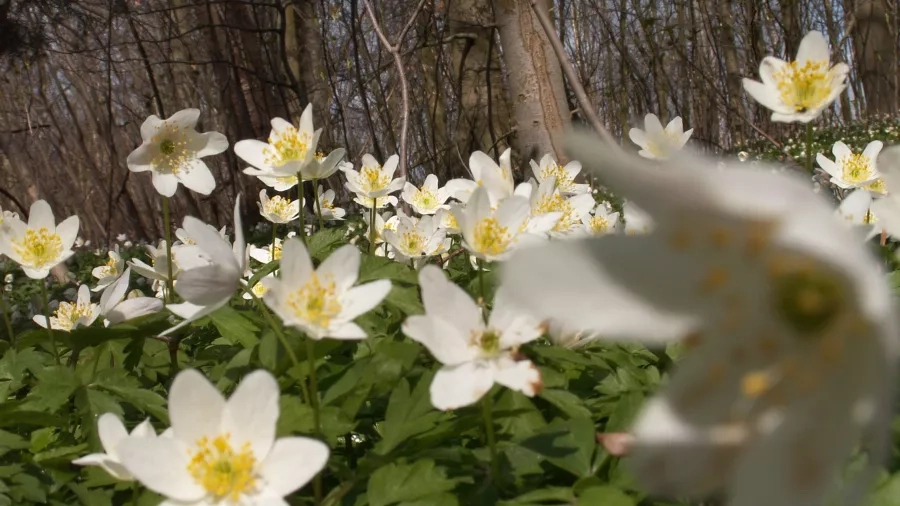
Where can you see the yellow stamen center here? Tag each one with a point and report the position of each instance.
(280, 207)
(39, 248)
(488, 341)
(489, 238)
(598, 225)
(372, 179)
(425, 199)
(68, 313)
(856, 169)
(288, 146)
(316, 302)
(413, 243)
(804, 87)
(173, 154)
(555, 202)
(224, 472)
(564, 181)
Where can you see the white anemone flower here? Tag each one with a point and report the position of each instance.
(790, 325)
(373, 180)
(326, 204)
(323, 302)
(206, 286)
(278, 209)
(290, 150)
(565, 175)
(496, 178)
(267, 253)
(110, 271)
(258, 288)
(112, 432)
(425, 200)
(41, 244)
(383, 222)
(71, 315)
(417, 240)
(798, 91)
(657, 142)
(172, 150)
(850, 170)
(115, 310)
(446, 220)
(489, 234)
(223, 451)
(475, 353)
(157, 271)
(600, 221)
(562, 214)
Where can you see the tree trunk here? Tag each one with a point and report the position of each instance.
(535, 80)
(876, 53)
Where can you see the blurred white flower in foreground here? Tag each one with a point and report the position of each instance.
(428, 199)
(791, 326)
(489, 234)
(799, 90)
(41, 244)
(476, 354)
(112, 432)
(223, 451)
(278, 209)
(172, 150)
(70, 315)
(565, 175)
(849, 170)
(657, 142)
(323, 302)
(636, 220)
(110, 271)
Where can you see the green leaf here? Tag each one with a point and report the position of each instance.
(235, 327)
(605, 495)
(374, 268)
(567, 444)
(566, 401)
(408, 414)
(323, 242)
(405, 299)
(396, 482)
(54, 387)
(550, 495)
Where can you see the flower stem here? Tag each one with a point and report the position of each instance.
(134, 493)
(302, 233)
(47, 320)
(487, 406)
(372, 227)
(5, 309)
(170, 282)
(318, 204)
(314, 402)
(270, 320)
(809, 155)
(274, 236)
(482, 300)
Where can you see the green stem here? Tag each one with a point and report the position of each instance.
(302, 233)
(47, 320)
(170, 281)
(6, 320)
(318, 204)
(274, 237)
(809, 155)
(134, 493)
(487, 406)
(314, 402)
(270, 320)
(372, 227)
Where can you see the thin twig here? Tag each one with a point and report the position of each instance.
(566, 65)
(394, 49)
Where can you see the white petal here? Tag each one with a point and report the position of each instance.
(296, 266)
(448, 301)
(111, 432)
(210, 143)
(196, 407)
(363, 298)
(253, 152)
(165, 184)
(141, 159)
(767, 96)
(443, 339)
(110, 465)
(208, 285)
(41, 216)
(68, 231)
(198, 178)
(292, 463)
(347, 331)
(184, 119)
(813, 47)
(251, 413)
(652, 125)
(461, 385)
(638, 137)
(341, 267)
(160, 464)
(521, 376)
